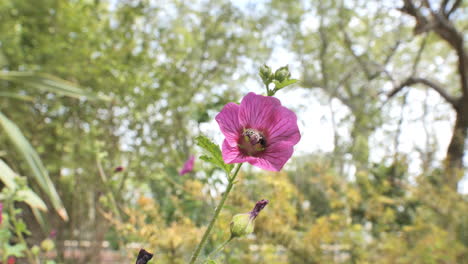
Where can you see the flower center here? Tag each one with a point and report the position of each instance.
(252, 142)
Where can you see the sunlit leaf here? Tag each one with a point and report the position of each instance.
(15, 250)
(7, 176)
(214, 153)
(16, 96)
(34, 162)
(280, 85)
(49, 83)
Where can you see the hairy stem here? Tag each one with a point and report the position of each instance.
(216, 214)
(216, 251)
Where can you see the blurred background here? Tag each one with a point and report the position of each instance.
(100, 102)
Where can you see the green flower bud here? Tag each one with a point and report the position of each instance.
(47, 244)
(243, 224)
(282, 74)
(265, 74)
(35, 250)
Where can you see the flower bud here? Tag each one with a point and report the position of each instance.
(35, 250)
(47, 244)
(243, 224)
(143, 257)
(265, 74)
(282, 74)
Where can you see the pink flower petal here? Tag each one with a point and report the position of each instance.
(228, 121)
(274, 157)
(284, 127)
(257, 111)
(232, 154)
(272, 132)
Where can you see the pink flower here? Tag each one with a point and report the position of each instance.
(188, 166)
(259, 131)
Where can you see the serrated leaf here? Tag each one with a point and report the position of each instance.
(280, 85)
(214, 153)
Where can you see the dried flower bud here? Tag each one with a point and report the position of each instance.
(243, 224)
(143, 257)
(119, 169)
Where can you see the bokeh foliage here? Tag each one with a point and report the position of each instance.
(168, 67)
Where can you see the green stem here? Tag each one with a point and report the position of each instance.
(15, 223)
(269, 92)
(215, 216)
(220, 247)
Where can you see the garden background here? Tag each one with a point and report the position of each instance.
(101, 102)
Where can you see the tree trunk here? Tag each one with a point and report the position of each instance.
(455, 152)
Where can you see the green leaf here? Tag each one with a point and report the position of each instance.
(21, 227)
(5, 235)
(15, 250)
(17, 96)
(280, 85)
(214, 153)
(40, 218)
(210, 261)
(46, 82)
(34, 162)
(8, 176)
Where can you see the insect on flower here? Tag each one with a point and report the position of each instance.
(259, 131)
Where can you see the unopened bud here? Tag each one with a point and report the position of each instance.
(119, 169)
(35, 250)
(47, 244)
(265, 74)
(143, 257)
(243, 224)
(282, 74)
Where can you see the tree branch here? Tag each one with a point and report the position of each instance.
(440, 24)
(454, 7)
(436, 87)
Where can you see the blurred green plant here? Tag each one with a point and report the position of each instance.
(13, 229)
(48, 83)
